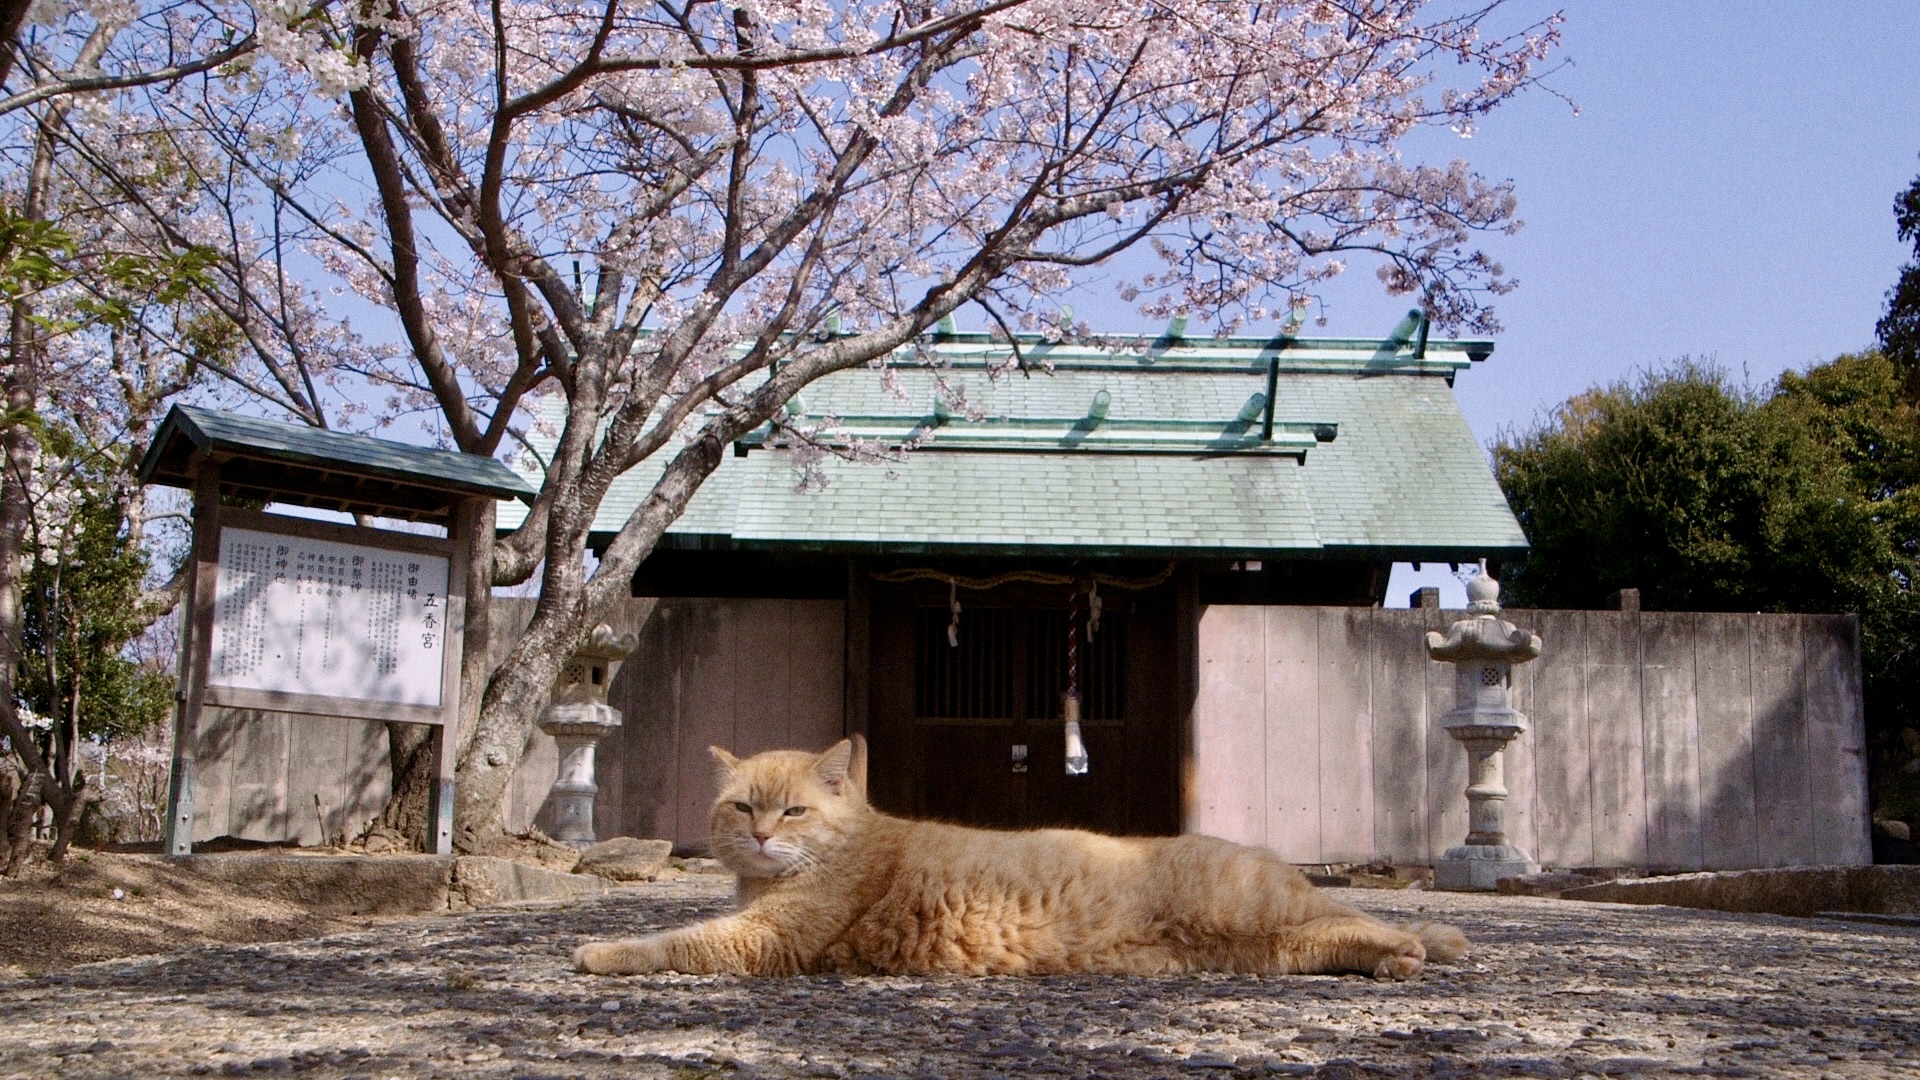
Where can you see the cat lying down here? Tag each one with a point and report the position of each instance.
(829, 884)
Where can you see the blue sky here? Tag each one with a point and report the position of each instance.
(1726, 191)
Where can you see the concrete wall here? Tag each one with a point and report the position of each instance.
(746, 675)
(1662, 740)
(1671, 740)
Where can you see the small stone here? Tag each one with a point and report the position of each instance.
(1893, 829)
(1316, 1035)
(704, 866)
(1548, 885)
(625, 858)
(610, 1005)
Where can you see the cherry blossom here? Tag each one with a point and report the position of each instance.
(653, 209)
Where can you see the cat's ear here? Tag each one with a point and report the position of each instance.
(724, 765)
(857, 764)
(834, 768)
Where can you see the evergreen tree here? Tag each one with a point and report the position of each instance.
(1707, 497)
(1899, 329)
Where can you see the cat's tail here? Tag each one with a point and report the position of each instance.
(1444, 943)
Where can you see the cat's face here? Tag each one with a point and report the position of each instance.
(784, 810)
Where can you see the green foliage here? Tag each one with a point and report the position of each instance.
(81, 607)
(37, 255)
(1899, 330)
(1708, 498)
(1699, 494)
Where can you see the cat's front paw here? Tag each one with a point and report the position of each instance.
(1402, 965)
(615, 958)
(593, 958)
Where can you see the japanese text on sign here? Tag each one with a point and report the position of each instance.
(307, 616)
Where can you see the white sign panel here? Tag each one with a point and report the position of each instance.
(306, 616)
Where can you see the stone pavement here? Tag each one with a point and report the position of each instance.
(1553, 988)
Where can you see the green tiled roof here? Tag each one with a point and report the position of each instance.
(311, 466)
(1370, 457)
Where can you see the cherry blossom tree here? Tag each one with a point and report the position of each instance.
(675, 214)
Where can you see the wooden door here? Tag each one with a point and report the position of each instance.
(969, 729)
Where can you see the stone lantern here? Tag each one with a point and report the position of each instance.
(578, 719)
(1483, 649)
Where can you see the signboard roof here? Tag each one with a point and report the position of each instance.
(307, 466)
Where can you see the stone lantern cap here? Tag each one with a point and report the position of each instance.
(1483, 649)
(1483, 635)
(585, 677)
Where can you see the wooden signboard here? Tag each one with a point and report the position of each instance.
(299, 616)
(293, 615)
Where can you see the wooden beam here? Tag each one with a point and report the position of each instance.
(196, 643)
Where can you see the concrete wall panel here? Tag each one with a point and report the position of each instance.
(1615, 742)
(1229, 730)
(1346, 734)
(1782, 770)
(1839, 790)
(1291, 660)
(1400, 734)
(1723, 673)
(1563, 785)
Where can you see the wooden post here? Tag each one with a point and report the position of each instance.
(460, 531)
(1186, 658)
(197, 643)
(857, 657)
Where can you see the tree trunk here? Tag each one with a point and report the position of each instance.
(18, 450)
(410, 746)
(19, 820)
(66, 816)
(410, 763)
(507, 710)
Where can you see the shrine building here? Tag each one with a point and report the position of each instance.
(927, 601)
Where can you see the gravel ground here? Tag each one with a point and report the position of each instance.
(1553, 988)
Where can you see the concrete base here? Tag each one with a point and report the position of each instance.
(1796, 890)
(391, 885)
(1479, 867)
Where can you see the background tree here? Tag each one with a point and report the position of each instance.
(1899, 329)
(102, 338)
(1706, 497)
(102, 327)
(82, 607)
(653, 209)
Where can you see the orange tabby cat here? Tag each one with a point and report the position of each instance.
(829, 884)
